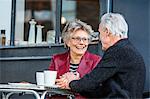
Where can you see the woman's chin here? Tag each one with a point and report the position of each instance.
(80, 52)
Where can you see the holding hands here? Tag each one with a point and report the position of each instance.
(66, 78)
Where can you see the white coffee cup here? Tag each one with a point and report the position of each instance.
(49, 78)
(40, 78)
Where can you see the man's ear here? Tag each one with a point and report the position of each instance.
(107, 31)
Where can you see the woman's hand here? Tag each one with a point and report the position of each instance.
(65, 79)
(61, 82)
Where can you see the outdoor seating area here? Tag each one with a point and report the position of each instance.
(32, 37)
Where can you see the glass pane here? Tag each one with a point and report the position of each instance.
(42, 12)
(85, 10)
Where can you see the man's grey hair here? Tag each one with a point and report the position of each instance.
(73, 26)
(115, 23)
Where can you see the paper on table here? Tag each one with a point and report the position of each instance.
(52, 86)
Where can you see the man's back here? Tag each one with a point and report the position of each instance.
(130, 75)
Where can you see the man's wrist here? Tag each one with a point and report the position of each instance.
(69, 85)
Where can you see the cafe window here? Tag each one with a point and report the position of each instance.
(43, 13)
(35, 16)
(38, 17)
(84, 10)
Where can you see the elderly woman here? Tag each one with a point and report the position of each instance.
(76, 36)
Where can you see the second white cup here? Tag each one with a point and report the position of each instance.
(40, 78)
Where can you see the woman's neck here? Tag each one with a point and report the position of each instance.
(75, 59)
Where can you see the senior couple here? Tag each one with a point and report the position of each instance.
(120, 73)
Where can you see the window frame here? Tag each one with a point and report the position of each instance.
(106, 6)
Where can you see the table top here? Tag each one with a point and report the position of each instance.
(25, 86)
(33, 88)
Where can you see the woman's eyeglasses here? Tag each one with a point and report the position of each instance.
(78, 39)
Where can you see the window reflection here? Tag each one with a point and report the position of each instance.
(85, 10)
(43, 11)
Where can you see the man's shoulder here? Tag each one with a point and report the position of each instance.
(92, 56)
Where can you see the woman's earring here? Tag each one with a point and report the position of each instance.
(68, 48)
(65, 46)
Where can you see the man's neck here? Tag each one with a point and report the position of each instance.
(114, 40)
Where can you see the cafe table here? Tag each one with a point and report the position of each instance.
(40, 92)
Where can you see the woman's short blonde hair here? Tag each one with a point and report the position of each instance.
(73, 26)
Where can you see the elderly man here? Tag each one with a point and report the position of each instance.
(121, 72)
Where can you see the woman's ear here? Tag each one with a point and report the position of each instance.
(67, 43)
